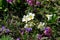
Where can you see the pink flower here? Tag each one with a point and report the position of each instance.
(18, 39)
(48, 31)
(9, 1)
(37, 3)
(31, 2)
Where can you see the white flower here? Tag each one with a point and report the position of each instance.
(25, 18)
(31, 16)
(26, 26)
(49, 16)
(41, 26)
(28, 17)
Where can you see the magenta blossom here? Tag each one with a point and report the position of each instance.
(9, 1)
(48, 31)
(22, 31)
(37, 3)
(39, 36)
(18, 39)
(31, 2)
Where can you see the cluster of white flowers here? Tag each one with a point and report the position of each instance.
(41, 25)
(29, 25)
(28, 17)
(49, 16)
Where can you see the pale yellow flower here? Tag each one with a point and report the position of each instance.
(49, 16)
(31, 16)
(41, 25)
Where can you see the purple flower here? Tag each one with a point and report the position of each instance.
(28, 29)
(31, 2)
(37, 3)
(39, 36)
(48, 31)
(9, 1)
(22, 31)
(18, 39)
(7, 30)
(3, 28)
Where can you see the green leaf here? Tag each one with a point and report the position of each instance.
(0, 4)
(0, 7)
(58, 38)
(18, 1)
(4, 37)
